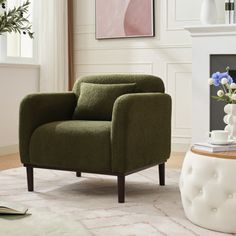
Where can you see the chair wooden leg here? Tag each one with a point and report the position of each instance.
(162, 174)
(121, 188)
(78, 174)
(30, 178)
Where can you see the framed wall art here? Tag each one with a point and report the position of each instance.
(124, 18)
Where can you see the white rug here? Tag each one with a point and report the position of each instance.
(90, 203)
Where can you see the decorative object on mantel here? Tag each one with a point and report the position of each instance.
(16, 19)
(230, 11)
(208, 14)
(227, 94)
(227, 15)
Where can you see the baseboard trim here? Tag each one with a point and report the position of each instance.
(7, 150)
(180, 147)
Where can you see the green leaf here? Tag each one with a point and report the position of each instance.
(15, 21)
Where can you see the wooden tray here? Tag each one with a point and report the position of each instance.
(226, 155)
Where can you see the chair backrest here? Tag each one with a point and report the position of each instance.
(144, 83)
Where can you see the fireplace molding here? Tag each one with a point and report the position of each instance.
(206, 41)
(212, 30)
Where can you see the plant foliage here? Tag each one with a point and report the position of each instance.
(227, 87)
(16, 19)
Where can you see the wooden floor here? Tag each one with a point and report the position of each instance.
(176, 160)
(13, 161)
(9, 161)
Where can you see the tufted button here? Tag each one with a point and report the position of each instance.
(190, 170)
(214, 209)
(200, 191)
(230, 195)
(189, 202)
(215, 175)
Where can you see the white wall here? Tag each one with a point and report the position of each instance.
(16, 81)
(168, 54)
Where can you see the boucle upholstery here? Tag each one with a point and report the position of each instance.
(132, 134)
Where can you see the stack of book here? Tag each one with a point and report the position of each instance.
(207, 147)
(230, 11)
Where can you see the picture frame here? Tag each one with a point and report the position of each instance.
(124, 19)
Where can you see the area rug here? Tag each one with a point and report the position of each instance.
(88, 205)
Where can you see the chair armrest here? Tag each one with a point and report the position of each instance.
(141, 131)
(41, 108)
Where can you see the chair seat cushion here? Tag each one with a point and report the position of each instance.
(78, 144)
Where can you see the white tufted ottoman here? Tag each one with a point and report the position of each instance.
(208, 190)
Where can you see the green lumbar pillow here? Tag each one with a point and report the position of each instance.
(96, 100)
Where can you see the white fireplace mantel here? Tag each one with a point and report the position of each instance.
(207, 40)
(212, 30)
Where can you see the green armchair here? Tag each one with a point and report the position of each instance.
(55, 134)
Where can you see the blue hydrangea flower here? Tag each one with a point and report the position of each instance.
(223, 75)
(217, 77)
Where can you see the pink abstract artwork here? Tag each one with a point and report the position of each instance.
(124, 18)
